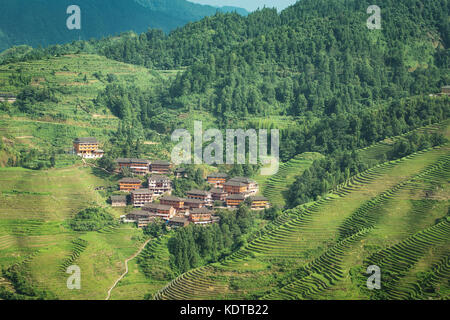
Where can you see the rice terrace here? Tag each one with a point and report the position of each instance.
(350, 98)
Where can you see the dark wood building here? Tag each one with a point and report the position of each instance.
(129, 184)
(140, 197)
(160, 166)
(119, 201)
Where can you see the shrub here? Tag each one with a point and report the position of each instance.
(91, 219)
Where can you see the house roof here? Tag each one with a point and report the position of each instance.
(171, 198)
(217, 190)
(236, 197)
(132, 160)
(218, 175)
(119, 198)
(259, 198)
(139, 213)
(201, 211)
(86, 140)
(142, 191)
(130, 180)
(198, 192)
(179, 220)
(161, 162)
(157, 177)
(243, 180)
(156, 206)
(235, 184)
(192, 201)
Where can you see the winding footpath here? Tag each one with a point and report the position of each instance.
(126, 267)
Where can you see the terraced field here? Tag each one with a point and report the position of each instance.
(148, 273)
(394, 215)
(33, 236)
(275, 187)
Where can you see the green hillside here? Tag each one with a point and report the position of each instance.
(305, 257)
(364, 149)
(42, 23)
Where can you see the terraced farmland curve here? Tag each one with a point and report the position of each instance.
(275, 187)
(308, 237)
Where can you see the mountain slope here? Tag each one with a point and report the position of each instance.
(37, 22)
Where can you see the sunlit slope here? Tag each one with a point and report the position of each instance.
(75, 80)
(35, 241)
(275, 187)
(313, 249)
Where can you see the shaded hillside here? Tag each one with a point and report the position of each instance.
(37, 22)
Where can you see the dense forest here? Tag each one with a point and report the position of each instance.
(42, 23)
(196, 245)
(344, 86)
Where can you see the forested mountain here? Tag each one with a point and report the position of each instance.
(43, 22)
(359, 125)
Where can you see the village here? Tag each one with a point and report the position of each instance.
(155, 202)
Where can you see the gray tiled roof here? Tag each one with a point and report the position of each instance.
(86, 140)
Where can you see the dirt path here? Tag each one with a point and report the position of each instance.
(126, 268)
(94, 166)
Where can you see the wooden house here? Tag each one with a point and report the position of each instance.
(200, 216)
(159, 184)
(176, 202)
(259, 202)
(141, 196)
(217, 179)
(159, 210)
(119, 201)
(129, 184)
(87, 148)
(234, 200)
(160, 167)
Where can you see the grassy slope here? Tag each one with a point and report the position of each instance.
(258, 269)
(275, 187)
(74, 114)
(33, 207)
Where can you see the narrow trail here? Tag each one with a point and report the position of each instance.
(94, 166)
(126, 268)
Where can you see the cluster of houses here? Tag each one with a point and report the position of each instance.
(198, 205)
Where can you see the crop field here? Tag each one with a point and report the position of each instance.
(148, 273)
(34, 206)
(274, 187)
(393, 216)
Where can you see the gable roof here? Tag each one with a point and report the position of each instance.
(160, 162)
(119, 198)
(243, 180)
(198, 192)
(236, 197)
(235, 184)
(171, 198)
(129, 180)
(259, 198)
(157, 177)
(86, 140)
(218, 175)
(142, 191)
(201, 211)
